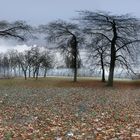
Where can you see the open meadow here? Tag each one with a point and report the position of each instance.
(59, 109)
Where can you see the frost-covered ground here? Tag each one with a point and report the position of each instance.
(62, 110)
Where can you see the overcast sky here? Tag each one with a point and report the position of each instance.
(43, 11)
(37, 12)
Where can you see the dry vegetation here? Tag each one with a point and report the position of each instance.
(58, 109)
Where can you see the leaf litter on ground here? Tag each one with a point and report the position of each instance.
(69, 113)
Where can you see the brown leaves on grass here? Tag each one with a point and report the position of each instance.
(67, 112)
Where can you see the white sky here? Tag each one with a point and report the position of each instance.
(42, 11)
(37, 12)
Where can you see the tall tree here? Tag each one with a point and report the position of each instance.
(66, 35)
(97, 54)
(120, 32)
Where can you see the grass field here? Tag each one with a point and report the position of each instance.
(59, 109)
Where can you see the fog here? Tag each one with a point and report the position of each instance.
(6, 45)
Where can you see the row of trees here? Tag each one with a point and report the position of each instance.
(110, 39)
(27, 63)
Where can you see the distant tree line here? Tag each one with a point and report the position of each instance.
(110, 40)
(27, 63)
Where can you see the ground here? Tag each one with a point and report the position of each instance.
(59, 109)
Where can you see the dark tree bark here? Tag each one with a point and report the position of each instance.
(19, 74)
(29, 71)
(25, 75)
(103, 68)
(37, 73)
(73, 44)
(113, 55)
(45, 72)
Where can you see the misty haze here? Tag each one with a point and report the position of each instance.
(69, 70)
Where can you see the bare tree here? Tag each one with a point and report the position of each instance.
(29, 61)
(12, 54)
(23, 62)
(47, 61)
(6, 65)
(18, 30)
(66, 35)
(119, 31)
(98, 54)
